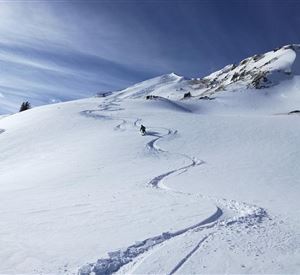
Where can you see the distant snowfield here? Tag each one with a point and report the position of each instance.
(212, 188)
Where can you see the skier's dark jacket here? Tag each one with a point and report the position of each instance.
(143, 129)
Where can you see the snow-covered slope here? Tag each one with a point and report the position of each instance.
(165, 86)
(213, 187)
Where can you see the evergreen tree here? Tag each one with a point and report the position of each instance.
(25, 106)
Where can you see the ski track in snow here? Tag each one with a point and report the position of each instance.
(240, 212)
(189, 255)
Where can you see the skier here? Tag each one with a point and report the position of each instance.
(143, 130)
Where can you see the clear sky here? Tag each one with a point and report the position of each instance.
(71, 49)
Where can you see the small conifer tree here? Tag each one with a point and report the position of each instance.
(25, 106)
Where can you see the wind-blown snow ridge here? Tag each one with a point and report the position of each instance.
(239, 212)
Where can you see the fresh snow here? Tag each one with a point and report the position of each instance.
(213, 187)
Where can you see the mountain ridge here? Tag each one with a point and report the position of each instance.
(256, 72)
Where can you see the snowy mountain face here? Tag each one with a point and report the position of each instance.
(256, 72)
(211, 188)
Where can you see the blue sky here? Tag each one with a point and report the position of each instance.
(71, 49)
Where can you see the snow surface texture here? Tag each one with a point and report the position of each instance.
(213, 187)
(244, 213)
